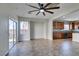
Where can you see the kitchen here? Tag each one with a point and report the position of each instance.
(65, 29)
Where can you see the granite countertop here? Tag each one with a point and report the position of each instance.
(76, 31)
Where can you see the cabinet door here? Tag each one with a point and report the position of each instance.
(58, 25)
(58, 35)
(69, 35)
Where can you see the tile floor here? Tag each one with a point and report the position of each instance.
(43, 47)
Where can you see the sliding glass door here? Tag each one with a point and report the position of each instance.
(12, 33)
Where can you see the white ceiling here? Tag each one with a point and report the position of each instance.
(20, 9)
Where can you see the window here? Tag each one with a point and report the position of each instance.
(66, 26)
(24, 30)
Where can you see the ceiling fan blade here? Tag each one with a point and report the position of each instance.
(52, 8)
(43, 13)
(47, 5)
(38, 13)
(32, 6)
(40, 5)
(50, 12)
(32, 11)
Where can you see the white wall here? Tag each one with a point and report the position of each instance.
(66, 26)
(45, 29)
(31, 30)
(4, 35)
(50, 29)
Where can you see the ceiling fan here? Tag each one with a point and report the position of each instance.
(42, 8)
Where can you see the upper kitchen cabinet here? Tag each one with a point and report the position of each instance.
(76, 25)
(58, 25)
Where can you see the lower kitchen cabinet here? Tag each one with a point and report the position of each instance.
(62, 35)
(58, 35)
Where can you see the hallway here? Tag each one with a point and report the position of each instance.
(46, 48)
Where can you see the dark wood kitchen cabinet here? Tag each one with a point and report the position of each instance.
(62, 35)
(58, 35)
(74, 25)
(69, 35)
(58, 25)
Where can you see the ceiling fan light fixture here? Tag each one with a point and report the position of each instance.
(42, 10)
